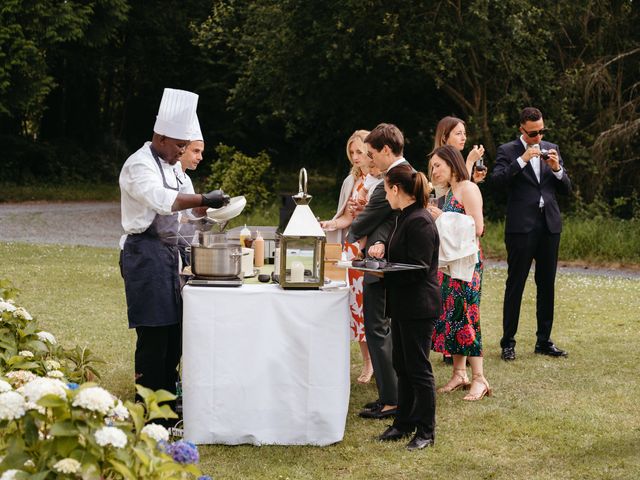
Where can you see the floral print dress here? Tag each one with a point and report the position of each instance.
(356, 280)
(457, 331)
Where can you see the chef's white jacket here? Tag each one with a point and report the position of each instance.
(142, 192)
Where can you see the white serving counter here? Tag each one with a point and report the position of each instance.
(263, 365)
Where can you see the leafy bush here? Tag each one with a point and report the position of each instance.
(240, 174)
(51, 427)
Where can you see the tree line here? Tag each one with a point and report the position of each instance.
(80, 81)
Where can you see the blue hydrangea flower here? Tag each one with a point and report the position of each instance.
(183, 452)
(72, 386)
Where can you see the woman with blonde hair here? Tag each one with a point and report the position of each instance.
(354, 194)
(457, 331)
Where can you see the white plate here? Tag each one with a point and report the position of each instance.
(226, 213)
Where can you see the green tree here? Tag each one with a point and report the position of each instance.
(28, 33)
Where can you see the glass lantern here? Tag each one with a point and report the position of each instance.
(302, 244)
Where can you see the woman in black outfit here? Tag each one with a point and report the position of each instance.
(413, 303)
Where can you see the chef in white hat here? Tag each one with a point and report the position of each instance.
(151, 196)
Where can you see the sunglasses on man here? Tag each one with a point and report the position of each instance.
(535, 133)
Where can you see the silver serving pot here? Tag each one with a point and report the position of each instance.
(216, 260)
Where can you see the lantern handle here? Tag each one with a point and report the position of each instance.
(303, 172)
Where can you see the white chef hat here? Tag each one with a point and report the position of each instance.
(176, 114)
(196, 133)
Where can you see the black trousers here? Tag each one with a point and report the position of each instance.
(522, 248)
(377, 331)
(416, 387)
(158, 352)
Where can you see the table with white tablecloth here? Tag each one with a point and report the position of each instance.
(263, 365)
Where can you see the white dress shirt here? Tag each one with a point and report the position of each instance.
(535, 164)
(142, 191)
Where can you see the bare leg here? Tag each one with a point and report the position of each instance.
(367, 367)
(459, 378)
(479, 385)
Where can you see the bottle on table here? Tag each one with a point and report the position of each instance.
(258, 249)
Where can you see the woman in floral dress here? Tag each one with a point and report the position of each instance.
(353, 198)
(458, 328)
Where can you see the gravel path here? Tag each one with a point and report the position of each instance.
(97, 224)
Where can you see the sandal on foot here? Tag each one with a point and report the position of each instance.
(486, 389)
(458, 381)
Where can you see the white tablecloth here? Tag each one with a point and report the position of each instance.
(262, 365)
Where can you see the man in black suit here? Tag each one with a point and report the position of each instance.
(531, 170)
(385, 145)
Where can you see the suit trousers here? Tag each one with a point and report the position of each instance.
(377, 331)
(158, 352)
(522, 248)
(416, 386)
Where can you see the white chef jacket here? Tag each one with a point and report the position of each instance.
(142, 192)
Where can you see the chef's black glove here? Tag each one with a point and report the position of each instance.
(215, 199)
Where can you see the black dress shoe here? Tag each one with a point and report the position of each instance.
(419, 442)
(392, 433)
(550, 350)
(372, 405)
(508, 354)
(378, 413)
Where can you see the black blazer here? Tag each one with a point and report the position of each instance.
(374, 222)
(414, 240)
(524, 190)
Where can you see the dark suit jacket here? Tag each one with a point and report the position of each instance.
(374, 222)
(524, 190)
(414, 240)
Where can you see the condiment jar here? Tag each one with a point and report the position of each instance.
(244, 234)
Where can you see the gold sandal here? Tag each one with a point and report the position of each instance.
(458, 381)
(486, 390)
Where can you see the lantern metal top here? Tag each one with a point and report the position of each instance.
(302, 198)
(303, 222)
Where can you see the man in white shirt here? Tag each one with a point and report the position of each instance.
(151, 197)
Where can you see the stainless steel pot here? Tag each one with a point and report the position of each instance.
(216, 260)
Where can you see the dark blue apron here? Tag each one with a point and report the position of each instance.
(150, 270)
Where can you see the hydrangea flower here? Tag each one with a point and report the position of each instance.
(11, 474)
(47, 337)
(38, 388)
(182, 451)
(204, 477)
(4, 386)
(26, 354)
(67, 465)
(111, 436)
(7, 307)
(12, 405)
(20, 377)
(96, 399)
(157, 432)
(73, 386)
(22, 313)
(52, 365)
(55, 374)
(119, 412)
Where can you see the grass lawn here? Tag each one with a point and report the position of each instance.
(548, 419)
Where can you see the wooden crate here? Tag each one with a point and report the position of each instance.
(332, 271)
